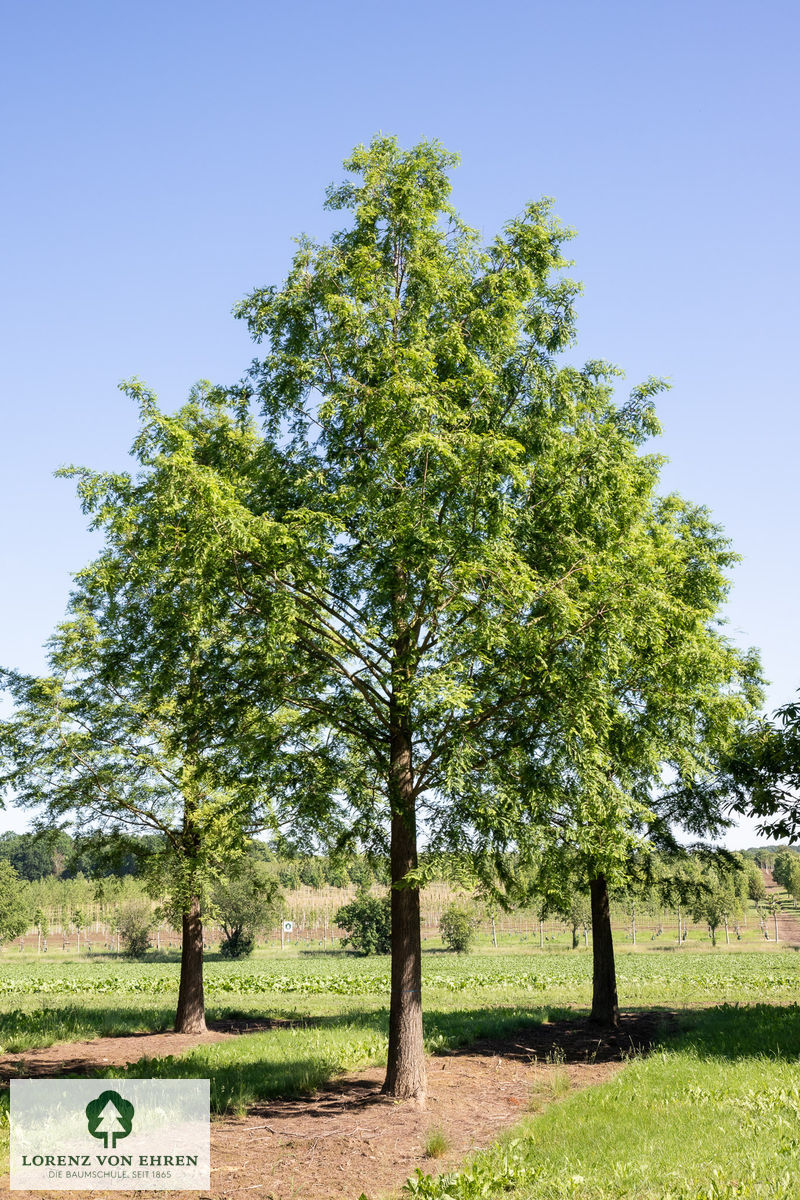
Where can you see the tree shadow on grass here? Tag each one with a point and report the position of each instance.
(298, 1053)
(78, 1023)
(741, 1031)
(285, 1066)
(567, 1037)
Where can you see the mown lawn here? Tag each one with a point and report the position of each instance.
(42, 1001)
(713, 1114)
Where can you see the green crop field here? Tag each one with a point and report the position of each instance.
(718, 1109)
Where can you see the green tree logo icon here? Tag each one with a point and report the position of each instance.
(109, 1116)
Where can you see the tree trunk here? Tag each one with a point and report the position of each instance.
(633, 924)
(541, 935)
(191, 1015)
(605, 1007)
(494, 935)
(405, 1073)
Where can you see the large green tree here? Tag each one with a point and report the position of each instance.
(654, 697)
(440, 503)
(147, 721)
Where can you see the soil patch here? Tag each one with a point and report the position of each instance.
(76, 1058)
(348, 1139)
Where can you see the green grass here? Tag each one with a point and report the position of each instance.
(437, 1143)
(715, 1114)
(42, 1002)
(711, 1116)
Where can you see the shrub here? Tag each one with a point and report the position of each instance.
(14, 913)
(245, 903)
(237, 944)
(458, 925)
(367, 922)
(135, 924)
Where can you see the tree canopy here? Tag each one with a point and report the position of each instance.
(413, 572)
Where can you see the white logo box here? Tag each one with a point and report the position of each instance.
(110, 1134)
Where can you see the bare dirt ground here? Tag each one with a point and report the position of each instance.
(70, 1058)
(347, 1139)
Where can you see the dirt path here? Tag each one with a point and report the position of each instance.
(70, 1058)
(347, 1139)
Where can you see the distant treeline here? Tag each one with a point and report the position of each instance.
(36, 857)
(55, 855)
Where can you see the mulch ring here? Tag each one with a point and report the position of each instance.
(347, 1138)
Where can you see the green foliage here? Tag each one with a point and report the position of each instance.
(761, 774)
(135, 925)
(785, 860)
(557, 883)
(34, 857)
(144, 723)
(41, 922)
(715, 904)
(367, 921)
(458, 925)
(14, 903)
(437, 1143)
(238, 944)
(756, 889)
(245, 903)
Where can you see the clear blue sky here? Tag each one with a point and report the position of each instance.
(160, 157)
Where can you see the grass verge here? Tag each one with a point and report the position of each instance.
(714, 1115)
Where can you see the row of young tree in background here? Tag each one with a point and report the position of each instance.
(412, 570)
(130, 910)
(714, 889)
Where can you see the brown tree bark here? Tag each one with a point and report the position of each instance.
(405, 1074)
(191, 1014)
(605, 1006)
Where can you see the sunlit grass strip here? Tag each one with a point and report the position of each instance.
(289, 1062)
(715, 1116)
